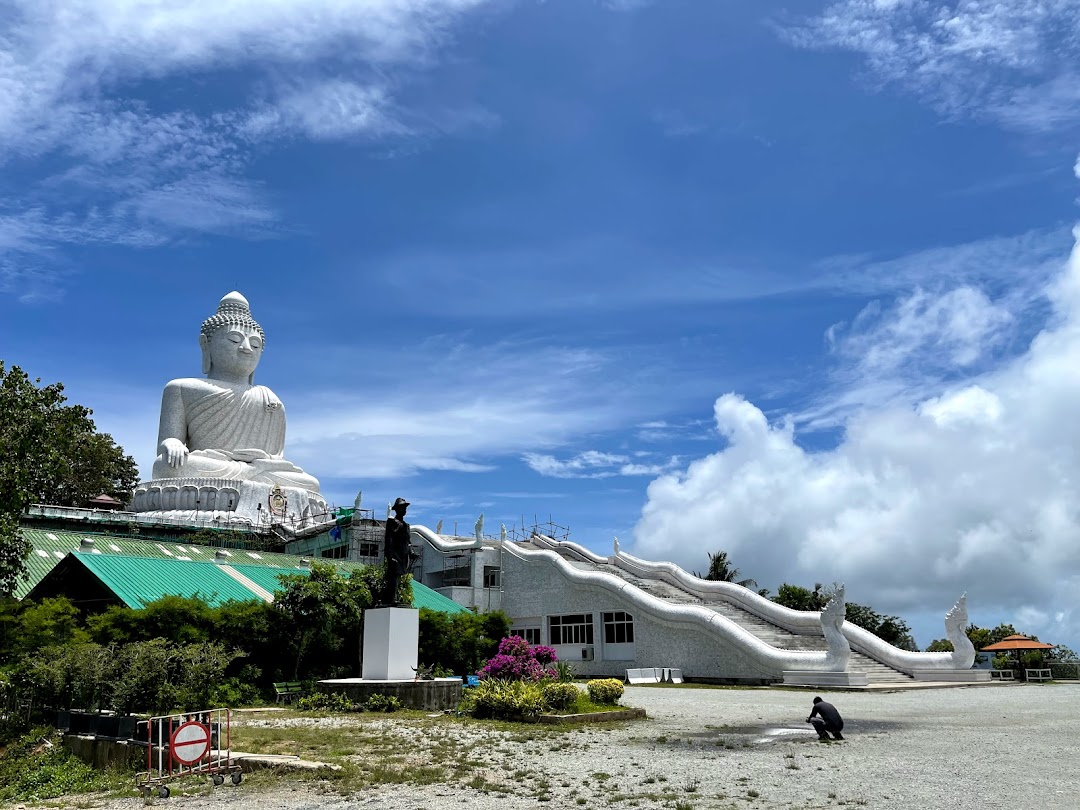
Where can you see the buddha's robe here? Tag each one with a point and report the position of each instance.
(231, 433)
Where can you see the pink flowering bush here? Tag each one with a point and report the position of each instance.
(518, 661)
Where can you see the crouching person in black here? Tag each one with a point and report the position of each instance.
(826, 719)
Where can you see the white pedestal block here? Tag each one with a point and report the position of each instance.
(801, 678)
(391, 640)
(952, 675)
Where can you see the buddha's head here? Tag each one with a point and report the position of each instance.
(231, 340)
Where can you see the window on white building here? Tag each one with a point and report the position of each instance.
(336, 552)
(530, 634)
(573, 628)
(368, 548)
(492, 576)
(618, 628)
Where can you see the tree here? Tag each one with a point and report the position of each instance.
(721, 570)
(892, 629)
(460, 643)
(49, 453)
(1062, 653)
(980, 637)
(799, 598)
(321, 611)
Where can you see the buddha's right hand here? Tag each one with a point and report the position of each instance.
(174, 452)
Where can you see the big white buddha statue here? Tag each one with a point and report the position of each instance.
(226, 429)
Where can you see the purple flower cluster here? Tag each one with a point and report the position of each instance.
(517, 661)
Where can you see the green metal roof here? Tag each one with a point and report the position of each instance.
(49, 547)
(138, 580)
(139, 571)
(425, 597)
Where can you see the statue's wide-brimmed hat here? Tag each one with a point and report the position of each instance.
(400, 502)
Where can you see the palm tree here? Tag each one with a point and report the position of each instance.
(721, 570)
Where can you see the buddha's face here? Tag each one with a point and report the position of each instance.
(234, 351)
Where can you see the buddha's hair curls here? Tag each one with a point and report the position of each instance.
(231, 313)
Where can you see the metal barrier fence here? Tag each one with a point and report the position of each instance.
(1065, 670)
(188, 744)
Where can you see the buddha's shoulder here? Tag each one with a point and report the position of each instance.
(194, 385)
(266, 393)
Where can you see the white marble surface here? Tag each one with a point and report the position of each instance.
(219, 436)
(391, 643)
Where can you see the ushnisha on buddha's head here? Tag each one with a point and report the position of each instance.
(231, 341)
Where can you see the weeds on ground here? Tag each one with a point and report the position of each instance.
(38, 767)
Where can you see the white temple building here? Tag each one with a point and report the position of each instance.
(607, 615)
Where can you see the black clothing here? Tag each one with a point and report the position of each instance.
(396, 550)
(829, 720)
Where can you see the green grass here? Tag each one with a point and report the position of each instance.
(37, 767)
(586, 706)
(703, 686)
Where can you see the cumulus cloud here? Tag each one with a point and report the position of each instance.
(1011, 60)
(970, 489)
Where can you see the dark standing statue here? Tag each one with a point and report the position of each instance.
(397, 550)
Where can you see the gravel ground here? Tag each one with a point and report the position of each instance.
(725, 748)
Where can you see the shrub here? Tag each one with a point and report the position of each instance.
(382, 703)
(605, 691)
(560, 695)
(334, 702)
(544, 654)
(460, 644)
(505, 700)
(564, 673)
(240, 690)
(38, 767)
(518, 661)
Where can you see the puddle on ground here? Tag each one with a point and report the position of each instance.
(763, 735)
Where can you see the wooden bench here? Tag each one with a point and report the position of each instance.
(1037, 675)
(1001, 675)
(288, 690)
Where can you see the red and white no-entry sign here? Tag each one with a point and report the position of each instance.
(190, 743)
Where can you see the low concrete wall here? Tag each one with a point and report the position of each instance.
(432, 696)
(593, 717)
(105, 753)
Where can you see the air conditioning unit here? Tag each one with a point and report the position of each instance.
(587, 653)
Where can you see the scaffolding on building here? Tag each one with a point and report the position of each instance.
(528, 531)
(366, 534)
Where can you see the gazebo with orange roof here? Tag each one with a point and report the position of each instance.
(1016, 644)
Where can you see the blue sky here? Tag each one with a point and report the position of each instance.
(788, 280)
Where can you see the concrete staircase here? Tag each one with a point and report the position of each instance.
(876, 672)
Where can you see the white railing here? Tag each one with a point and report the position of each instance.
(440, 543)
(796, 621)
(771, 659)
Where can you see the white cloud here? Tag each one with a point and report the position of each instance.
(459, 406)
(909, 348)
(1022, 263)
(325, 110)
(72, 75)
(596, 464)
(957, 327)
(1009, 59)
(208, 203)
(971, 489)
(589, 464)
